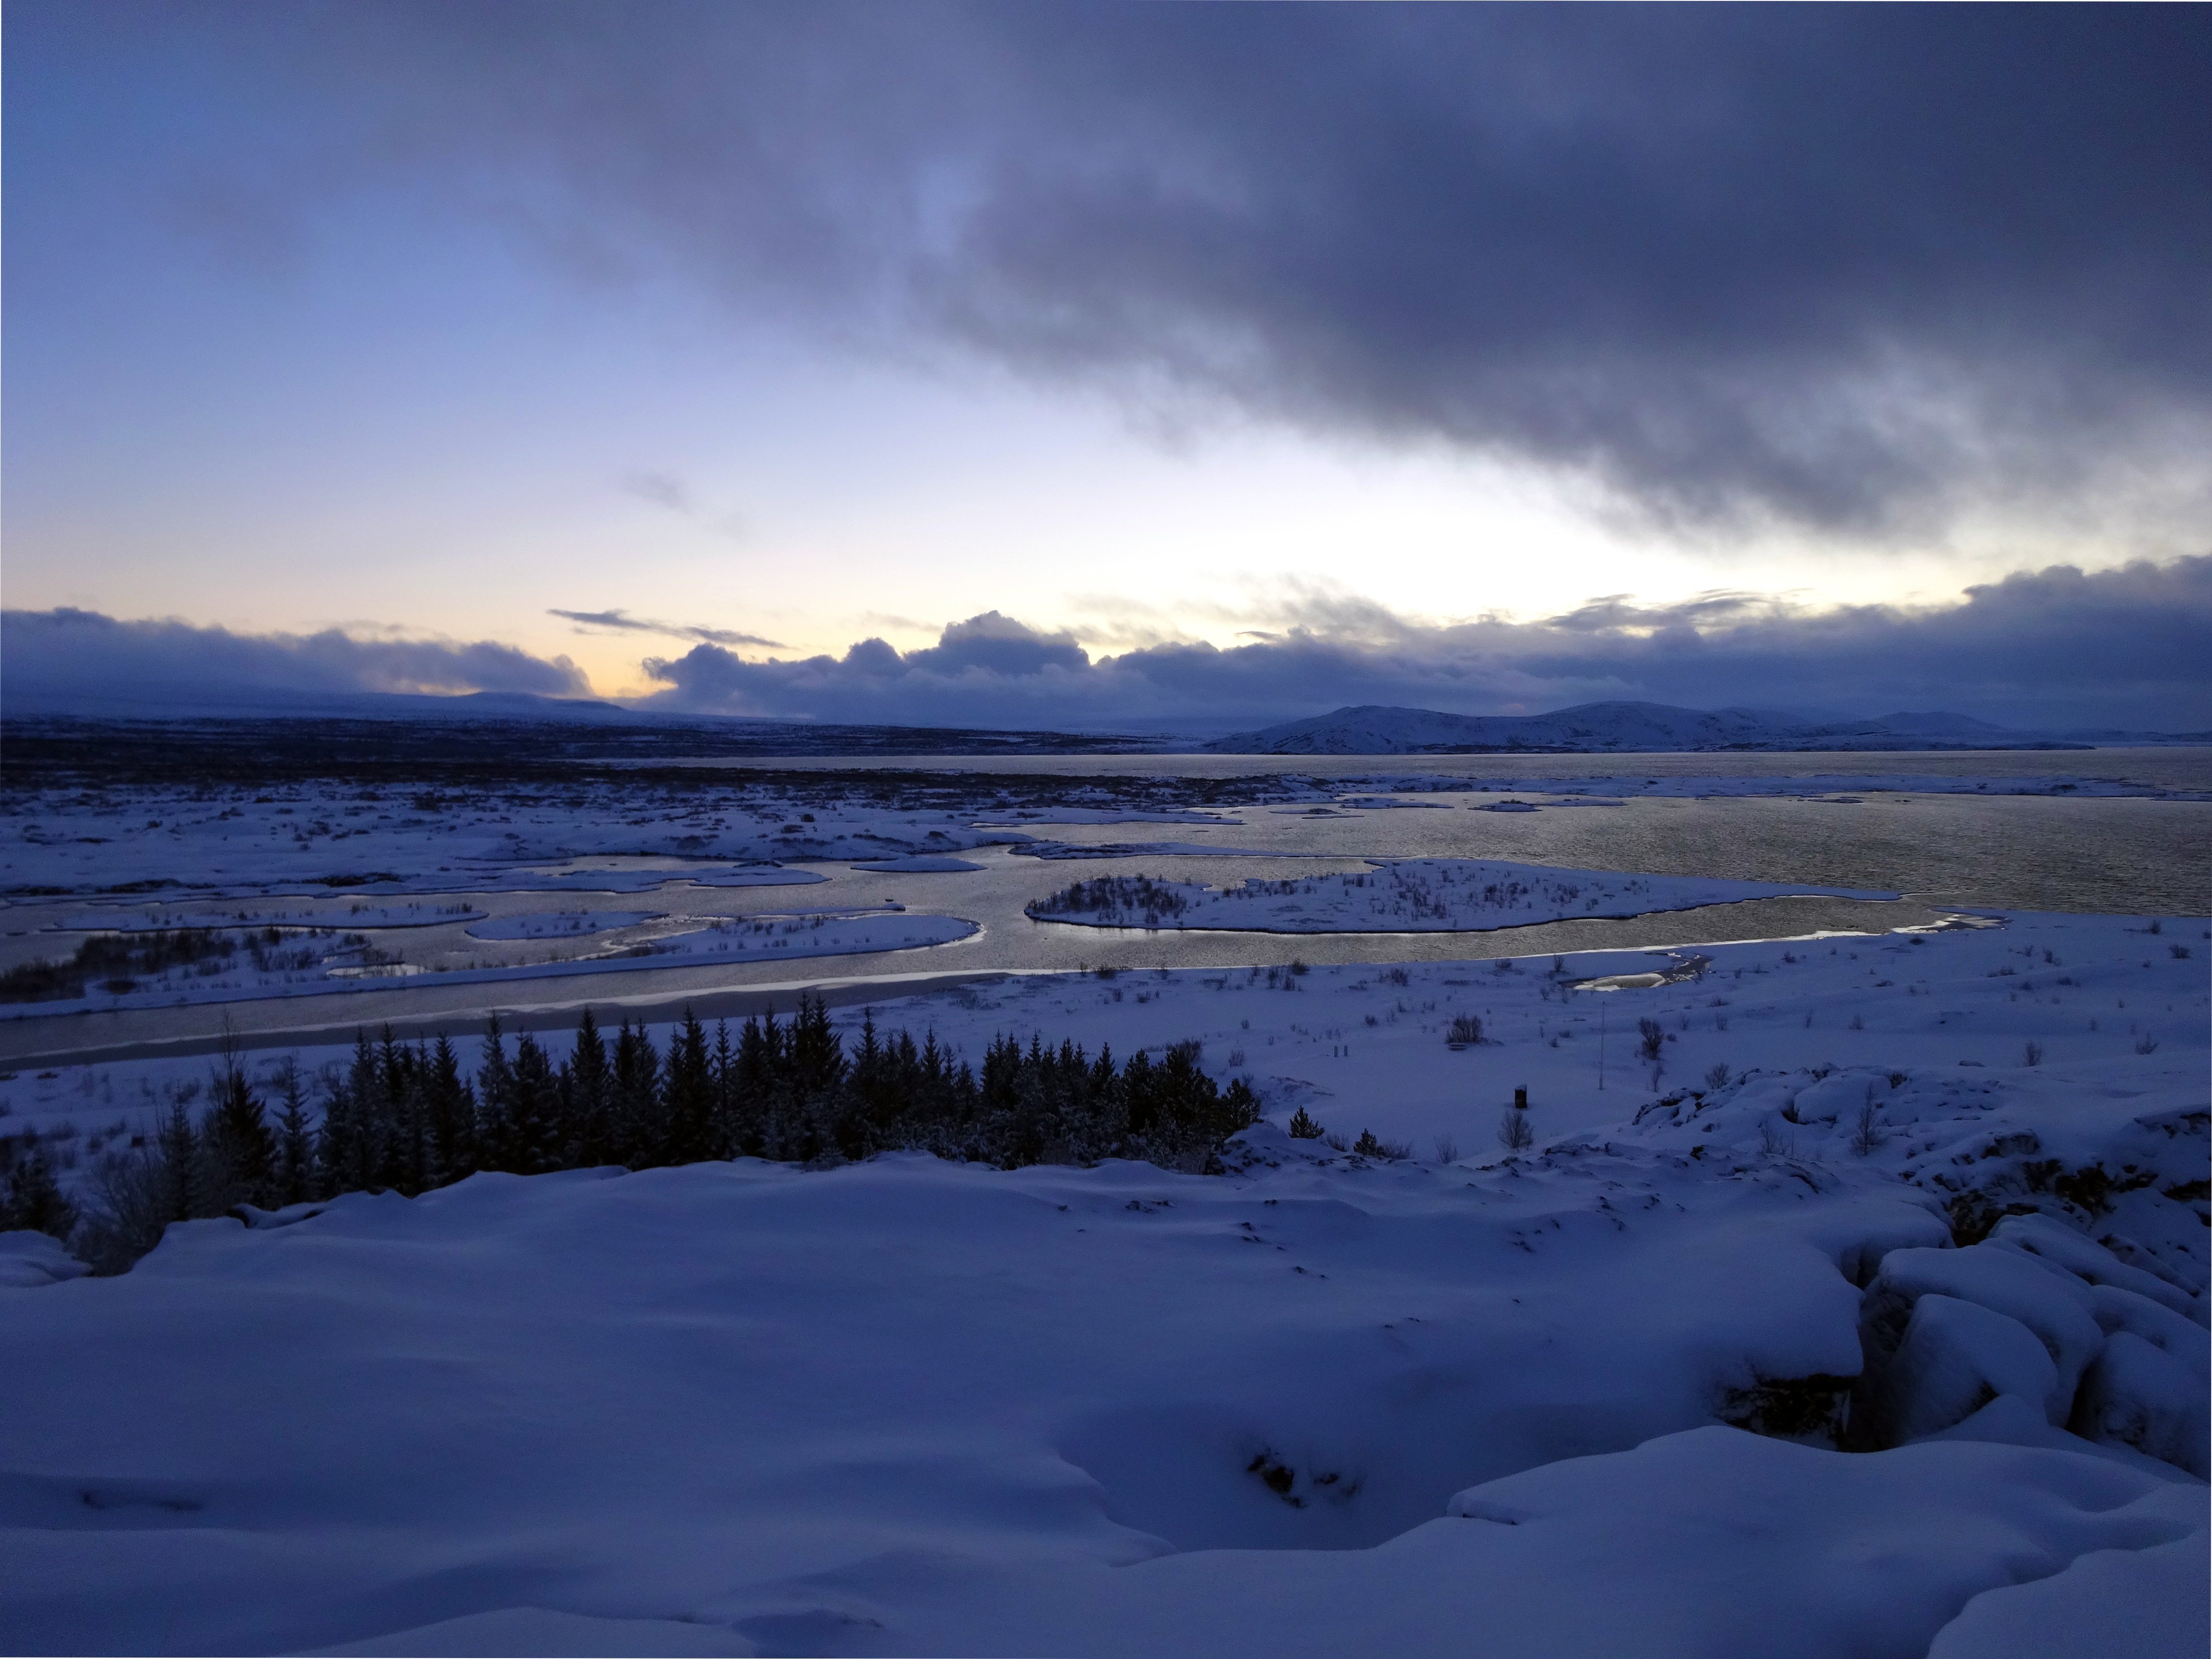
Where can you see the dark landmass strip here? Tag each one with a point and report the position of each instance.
(436, 766)
(44, 751)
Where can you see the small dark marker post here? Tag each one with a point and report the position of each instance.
(1520, 1099)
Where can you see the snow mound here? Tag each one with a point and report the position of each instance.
(29, 1260)
(525, 1632)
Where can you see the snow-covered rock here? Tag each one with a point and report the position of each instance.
(2040, 1237)
(2137, 1394)
(2059, 1309)
(1955, 1358)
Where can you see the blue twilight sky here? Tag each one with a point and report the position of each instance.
(1089, 364)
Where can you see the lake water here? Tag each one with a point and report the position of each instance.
(2128, 855)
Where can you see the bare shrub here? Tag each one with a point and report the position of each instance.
(133, 1198)
(1716, 1077)
(1447, 1150)
(1866, 1128)
(1465, 1027)
(1514, 1133)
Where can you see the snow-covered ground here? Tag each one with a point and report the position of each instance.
(1402, 895)
(274, 912)
(1582, 1397)
(559, 924)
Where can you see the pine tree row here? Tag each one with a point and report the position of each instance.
(405, 1117)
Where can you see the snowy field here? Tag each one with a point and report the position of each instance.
(1849, 1299)
(1402, 895)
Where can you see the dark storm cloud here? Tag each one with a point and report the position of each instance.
(623, 622)
(1848, 266)
(80, 660)
(2055, 649)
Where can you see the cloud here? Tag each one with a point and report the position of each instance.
(66, 661)
(1851, 268)
(2053, 649)
(667, 491)
(661, 489)
(622, 621)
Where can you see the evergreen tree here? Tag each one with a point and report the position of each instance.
(184, 1192)
(587, 1098)
(878, 1095)
(404, 1118)
(345, 1151)
(240, 1152)
(688, 1096)
(638, 1137)
(752, 1111)
(724, 1066)
(533, 1111)
(450, 1115)
(495, 1102)
(402, 1141)
(293, 1177)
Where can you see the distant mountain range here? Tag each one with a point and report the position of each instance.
(1647, 728)
(578, 726)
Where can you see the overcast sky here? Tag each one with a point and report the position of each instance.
(1011, 363)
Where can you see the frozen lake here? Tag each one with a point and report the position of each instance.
(2102, 855)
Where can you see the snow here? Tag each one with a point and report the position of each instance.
(1954, 1358)
(32, 1259)
(905, 1407)
(2054, 1309)
(1321, 1403)
(326, 913)
(2107, 1604)
(559, 924)
(1123, 849)
(1404, 895)
(812, 934)
(542, 1631)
